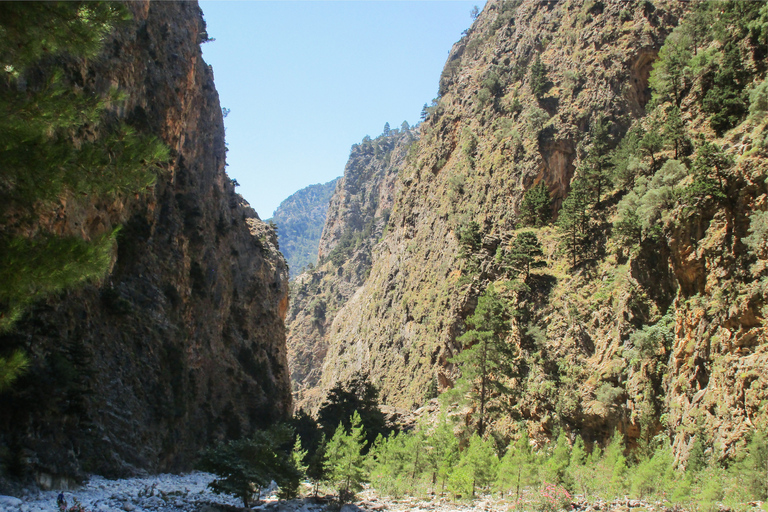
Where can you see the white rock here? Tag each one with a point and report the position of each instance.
(129, 507)
(152, 502)
(10, 502)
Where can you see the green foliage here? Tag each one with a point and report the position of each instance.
(443, 452)
(400, 462)
(722, 67)
(344, 461)
(53, 29)
(32, 268)
(469, 146)
(758, 101)
(647, 208)
(613, 466)
(725, 98)
(356, 396)
(757, 241)
(470, 240)
(476, 467)
(487, 361)
(536, 207)
(653, 340)
(710, 170)
(11, 368)
(582, 469)
(675, 132)
(518, 468)
(555, 468)
(753, 468)
(573, 220)
(523, 254)
(654, 476)
(57, 139)
(246, 465)
(625, 164)
(670, 76)
(537, 78)
(597, 164)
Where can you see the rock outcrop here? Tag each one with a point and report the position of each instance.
(184, 342)
(668, 336)
(300, 220)
(357, 215)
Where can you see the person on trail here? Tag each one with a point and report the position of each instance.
(61, 502)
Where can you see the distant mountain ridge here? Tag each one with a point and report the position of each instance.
(300, 219)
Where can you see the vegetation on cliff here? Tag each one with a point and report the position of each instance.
(358, 213)
(137, 345)
(300, 220)
(575, 162)
(58, 143)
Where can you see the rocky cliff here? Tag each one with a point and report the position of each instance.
(300, 220)
(661, 334)
(183, 342)
(357, 215)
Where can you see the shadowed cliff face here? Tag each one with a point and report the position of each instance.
(184, 342)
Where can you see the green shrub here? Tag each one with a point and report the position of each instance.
(245, 466)
(536, 207)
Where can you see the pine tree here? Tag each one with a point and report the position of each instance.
(387, 460)
(674, 131)
(555, 468)
(612, 471)
(344, 460)
(518, 468)
(573, 220)
(538, 78)
(443, 453)
(580, 470)
(55, 139)
(753, 469)
(359, 396)
(246, 465)
(651, 143)
(481, 459)
(487, 360)
(536, 207)
(654, 476)
(669, 77)
(524, 253)
(595, 170)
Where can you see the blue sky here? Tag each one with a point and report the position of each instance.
(306, 80)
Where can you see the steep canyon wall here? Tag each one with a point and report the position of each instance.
(183, 343)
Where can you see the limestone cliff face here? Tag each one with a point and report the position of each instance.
(485, 141)
(184, 342)
(357, 215)
(490, 136)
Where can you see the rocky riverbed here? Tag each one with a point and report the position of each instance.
(190, 493)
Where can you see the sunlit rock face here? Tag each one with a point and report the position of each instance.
(183, 343)
(488, 139)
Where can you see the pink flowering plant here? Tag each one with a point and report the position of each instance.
(552, 498)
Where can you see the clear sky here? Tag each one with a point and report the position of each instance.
(306, 80)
